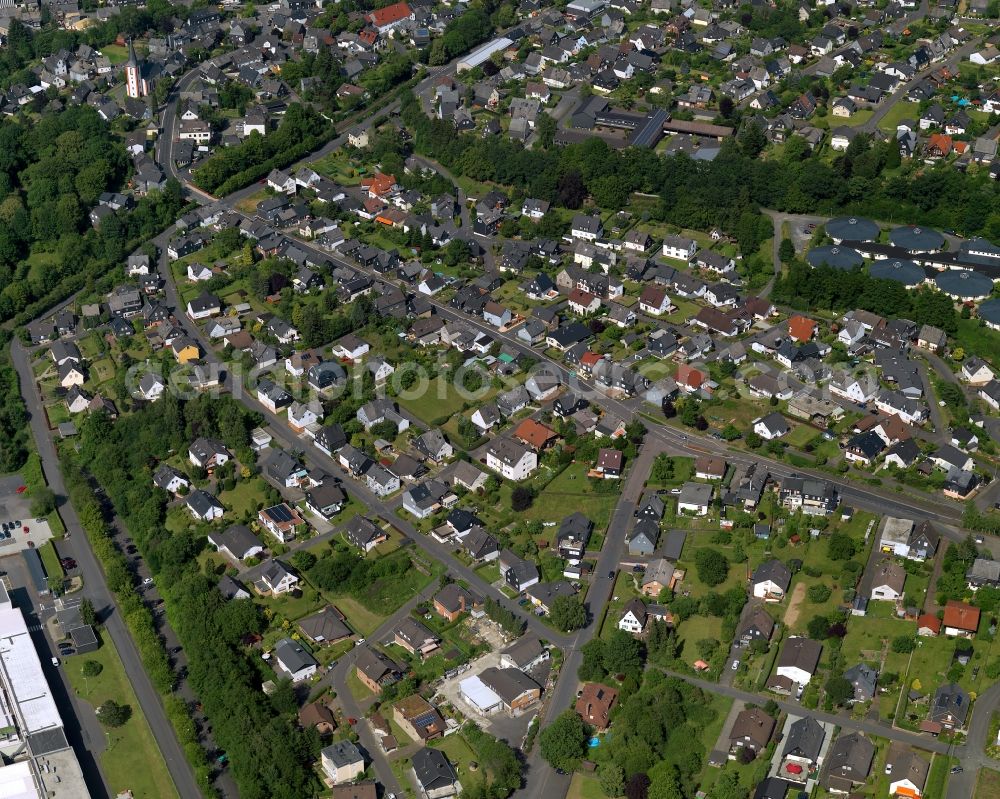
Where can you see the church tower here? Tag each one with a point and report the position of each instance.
(135, 84)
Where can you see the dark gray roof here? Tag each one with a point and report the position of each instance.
(838, 257)
(990, 310)
(850, 757)
(901, 270)
(293, 655)
(916, 238)
(775, 571)
(432, 769)
(238, 539)
(854, 228)
(326, 626)
(805, 739)
(342, 753)
(963, 283)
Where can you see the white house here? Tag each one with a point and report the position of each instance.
(680, 248)
(771, 426)
(277, 578)
(887, 582)
(976, 372)
(695, 498)
(203, 506)
(197, 272)
(633, 618)
(511, 459)
(352, 347)
(798, 660)
(293, 660)
(771, 580)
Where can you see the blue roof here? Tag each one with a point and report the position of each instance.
(964, 284)
(916, 239)
(901, 270)
(852, 228)
(845, 258)
(990, 311)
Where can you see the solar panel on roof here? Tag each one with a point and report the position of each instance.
(280, 513)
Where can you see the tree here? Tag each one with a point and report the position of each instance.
(664, 786)
(818, 627)
(112, 714)
(43, 502)
(303, 560)
(904, 644)
(840, 690)
(564, 741)
(568, 613)
(786, 250)
(668, 408)
(612, 779)
(691, 412)
(91, 668)
(545, 127)
(712, 565)
(841, 546)
(87, 613)
(521, 498)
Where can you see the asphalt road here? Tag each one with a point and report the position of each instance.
(96, 590)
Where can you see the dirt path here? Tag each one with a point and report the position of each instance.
(795, 606)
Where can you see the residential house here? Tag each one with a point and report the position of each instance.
(960, 619)
(751, 731)
(594, 705)
(796, 664)
(294, 661)
(887, 581)
(770, 581)
(342, 762)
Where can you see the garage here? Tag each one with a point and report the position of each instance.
(477, 694)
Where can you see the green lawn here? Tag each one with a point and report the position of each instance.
(38, 264)
(937, 779)
(103, 369)
(359, 618)
(857, 118)
(130, 744)
(115, 53)
(865, 636)
(440, 399)
(584, 786)
(988, 784)
(244, 496)
(694, 629)
(977, 340)
(654, 369)
(801, 435)
(50, 559)
(459, 754)
(573, 491)
(357, 688)
(490, 572)
(897, 114)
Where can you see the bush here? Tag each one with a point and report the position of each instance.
(521, 498)
(712, 565)
(91, 668)
(112, 714)
(819, 593)
(904, 644)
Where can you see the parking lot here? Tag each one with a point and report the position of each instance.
(16, 507)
